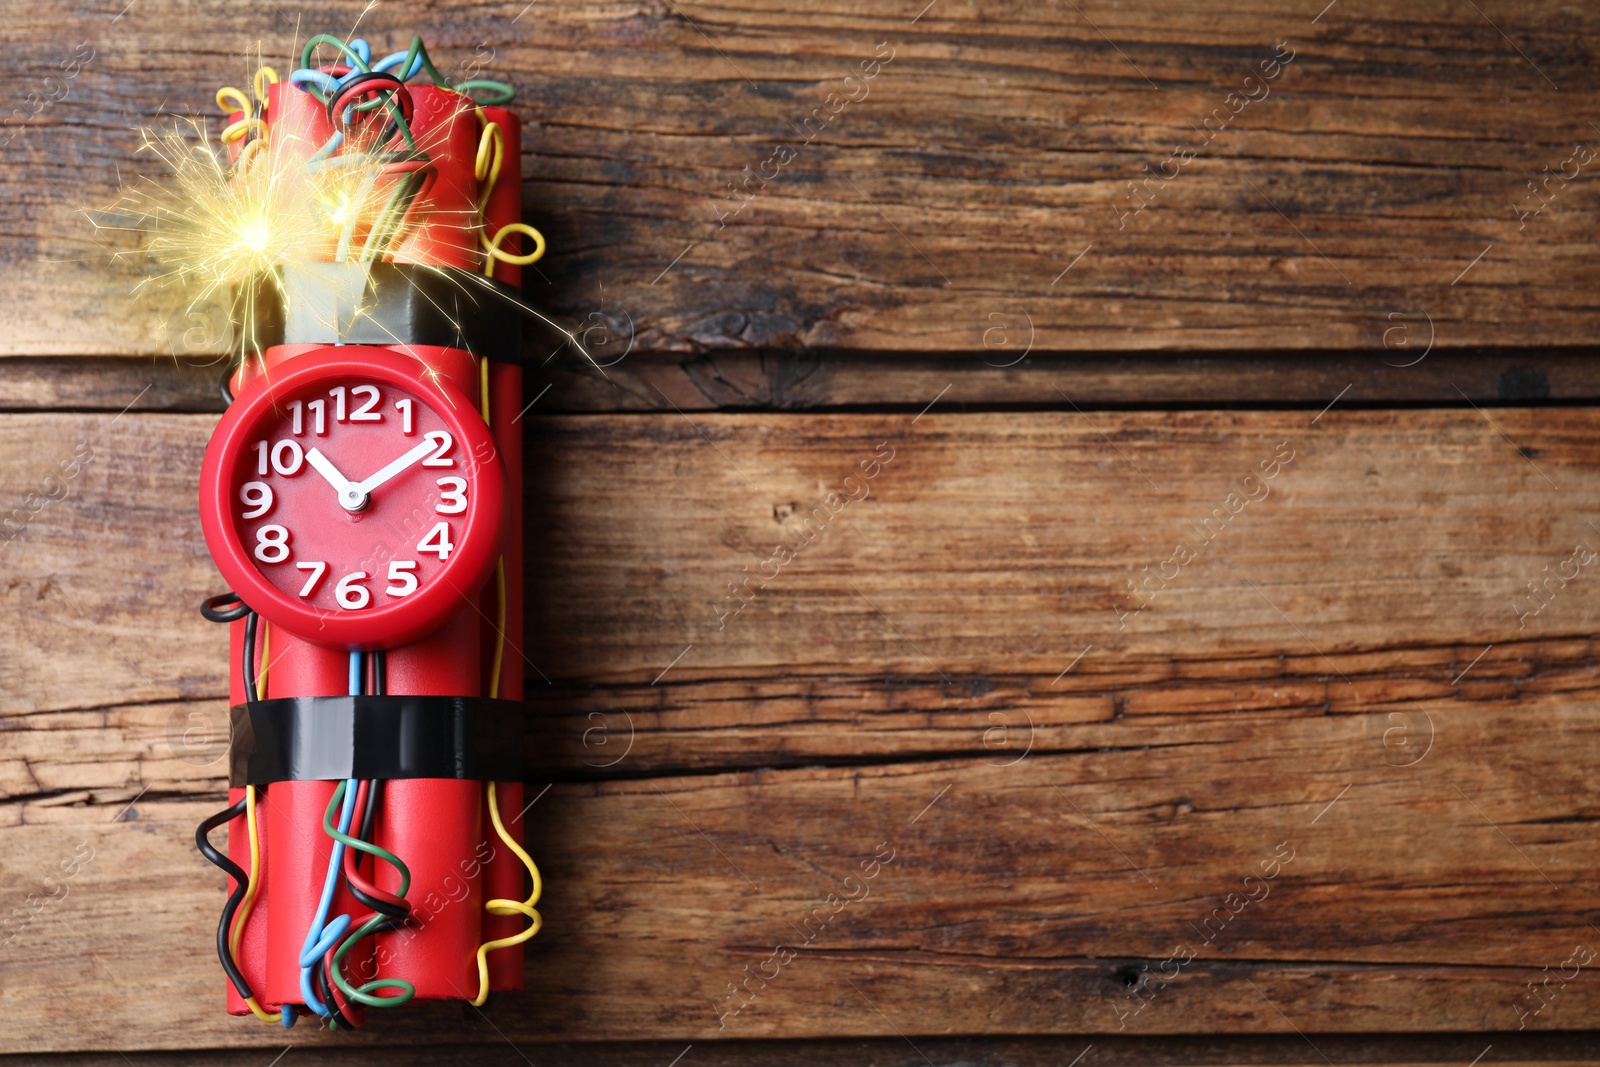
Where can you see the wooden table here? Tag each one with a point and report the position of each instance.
(1178, 420)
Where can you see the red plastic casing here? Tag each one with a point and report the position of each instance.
(230, 462)
(440, 827)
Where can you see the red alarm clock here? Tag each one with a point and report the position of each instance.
(351, 499)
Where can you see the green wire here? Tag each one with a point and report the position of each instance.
(328, 38)
(363, 994)
(364, 846)
(385, 98)
(384, 232)
(418, 48)
(500, 93)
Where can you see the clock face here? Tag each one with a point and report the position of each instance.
(351, 493)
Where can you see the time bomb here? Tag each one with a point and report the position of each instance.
(361, 499)
(297, 537)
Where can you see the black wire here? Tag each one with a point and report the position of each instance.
(411, 188)
(396, 914)
(222, 383)
(250, 694)
(380, 687)
(325, 991)
(224, 607)
(392, 914)
(240, 880)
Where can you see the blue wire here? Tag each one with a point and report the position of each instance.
(323, 935)
(327, 148)
(388, 61)
(329, 84)
(325, 82)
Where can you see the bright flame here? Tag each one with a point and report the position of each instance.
(255, 234)
(211, 225)
(215, 228)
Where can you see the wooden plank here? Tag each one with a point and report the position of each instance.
(1250, 708)
(1515, 1050)
(1383, 171)
(802, 718)
(857, 381)
(1041, 897)
(1397, 541)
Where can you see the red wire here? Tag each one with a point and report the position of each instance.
(346, 1007)
(351, 873)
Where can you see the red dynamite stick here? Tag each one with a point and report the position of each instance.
(439, 827)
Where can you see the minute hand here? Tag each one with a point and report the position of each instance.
(369, 484)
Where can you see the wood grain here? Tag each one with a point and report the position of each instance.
(1382, 177)
(1040, 897)
(1394, 540)
(1341, 673)
(963, 660)
(1515, 1049)
(991, 547)
(740, 380)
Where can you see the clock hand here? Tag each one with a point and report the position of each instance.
(369, 484)
(351, 496)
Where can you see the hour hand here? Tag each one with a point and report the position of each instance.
(351, 496)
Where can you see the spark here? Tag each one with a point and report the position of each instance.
(221, 222)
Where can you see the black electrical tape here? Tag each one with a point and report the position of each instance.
(383, 304)
(296, 739)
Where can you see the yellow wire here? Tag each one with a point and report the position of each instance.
(483, 369)
(491, 152)
(500, 645)
(499, 567)
(268, 75)
(498, 253)
(235, 130)
(486, 169)
(501, 906)
(229, 92)
(250, 901)
(508, 907)
(261, 673)
(248, 153)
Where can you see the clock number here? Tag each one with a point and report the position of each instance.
(286, 457)
(297, 417)
(349, 594)
(257, 496)
(437, 541)
(317, 569)
(364, 413)
(319, 408)
(272, 543)
(292, 464)
(402, 576)
(404, 408)
(442, 443)
(337, 392)
(452, 496)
